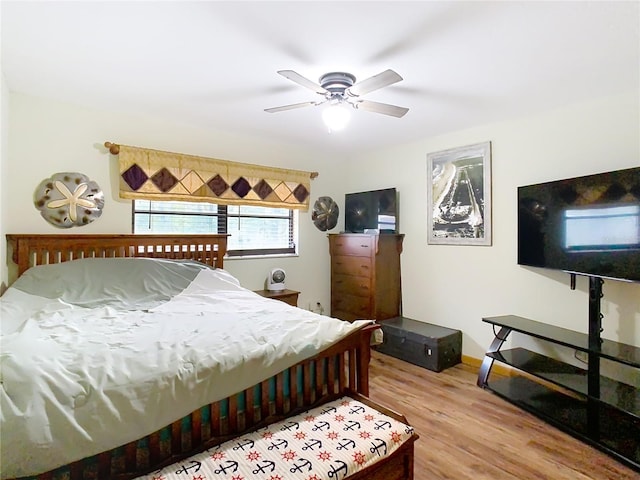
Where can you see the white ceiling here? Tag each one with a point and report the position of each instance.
(214, 64)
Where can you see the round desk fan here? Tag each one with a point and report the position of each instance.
(275, 281)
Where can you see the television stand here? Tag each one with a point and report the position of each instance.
(589, 406)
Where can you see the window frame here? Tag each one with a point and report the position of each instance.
(223, 215)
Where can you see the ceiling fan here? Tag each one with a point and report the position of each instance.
(340, 88)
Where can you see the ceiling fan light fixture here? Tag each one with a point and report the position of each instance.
(340, 90)
(336, 117)
(337, 82)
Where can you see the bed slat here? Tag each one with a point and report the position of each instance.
(104, 464)
(176, 436)
(331, 376)
(215, 419)
(342, 373)
(264, 400)
(280, 394)
(293, 376)
(130, 456)
(196, 428)
(352, 368)
(233, 413)
(306, 383)
(320, 380)
(249, 414)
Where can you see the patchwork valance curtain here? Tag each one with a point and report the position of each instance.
(157, 175)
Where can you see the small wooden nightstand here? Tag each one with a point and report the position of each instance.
(286, 296)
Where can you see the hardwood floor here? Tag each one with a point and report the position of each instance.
(467, 432)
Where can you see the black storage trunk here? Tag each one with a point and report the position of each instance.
(423, 344)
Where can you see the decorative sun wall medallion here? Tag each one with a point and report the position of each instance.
(69, 199)
(325, 214)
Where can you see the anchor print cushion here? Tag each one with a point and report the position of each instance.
(332, 441)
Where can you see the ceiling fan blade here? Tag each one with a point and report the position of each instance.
(386, 78)
(305, 82)
(290, 107)
(383, 108)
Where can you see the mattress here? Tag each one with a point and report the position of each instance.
(92, 358)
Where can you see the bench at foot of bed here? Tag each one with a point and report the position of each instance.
(350, 437)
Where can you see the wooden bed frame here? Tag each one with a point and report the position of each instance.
(29, 250)
(334, 372)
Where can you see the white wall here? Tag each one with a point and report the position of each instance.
(49, 137)
(456, 286)
(4, 162)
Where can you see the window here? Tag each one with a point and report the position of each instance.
(253, 230)
(602, 229)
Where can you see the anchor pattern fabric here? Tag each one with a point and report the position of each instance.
(332, 441)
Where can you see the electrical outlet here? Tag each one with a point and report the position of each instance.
(316, 308)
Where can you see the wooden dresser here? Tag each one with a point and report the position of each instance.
(365, 276)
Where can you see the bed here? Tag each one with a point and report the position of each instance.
(120, 416)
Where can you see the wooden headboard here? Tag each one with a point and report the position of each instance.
(30, 250)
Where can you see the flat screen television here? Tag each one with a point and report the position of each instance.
(585, 225)
(374, 210)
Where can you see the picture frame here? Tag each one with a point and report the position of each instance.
(459, 195)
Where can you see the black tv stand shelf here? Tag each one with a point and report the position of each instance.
(616, 394)
(592, 407)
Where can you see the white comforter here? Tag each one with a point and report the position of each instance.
(78, 381)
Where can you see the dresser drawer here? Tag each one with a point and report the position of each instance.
(351, 285)
(360, 245)
(351, 265)
(348, 316)
(351, 306)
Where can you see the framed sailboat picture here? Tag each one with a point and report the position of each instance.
(459, 195)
